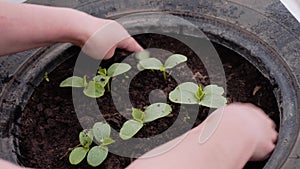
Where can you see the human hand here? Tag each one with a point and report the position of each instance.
(104, 36)
(230, 137)
(260, 128)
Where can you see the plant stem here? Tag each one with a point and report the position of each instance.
(67, 152)
(165, 75)
(108, 86)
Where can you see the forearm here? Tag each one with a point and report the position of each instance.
(26, 26)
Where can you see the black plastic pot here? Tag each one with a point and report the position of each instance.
(265, 34)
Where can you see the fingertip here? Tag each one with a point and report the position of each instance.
(270, 148)
(274, 137)
(134, 46)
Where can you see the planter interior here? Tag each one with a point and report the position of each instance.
(40, 119)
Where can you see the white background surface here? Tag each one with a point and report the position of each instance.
(293, 6)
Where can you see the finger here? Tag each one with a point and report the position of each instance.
(110, 53)
(266, 156)
(273, 125)
(130, 45)
(264, 153)
(274, 136)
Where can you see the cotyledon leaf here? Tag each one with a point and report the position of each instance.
(184, 93)
(117, 69)
(73, 81)
(156, 111)
(94, 90)
(174, 60)
(129, 129)
(97, 155)
(77, 155)
(151, 63)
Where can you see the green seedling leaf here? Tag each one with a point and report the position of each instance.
(156, 111)
(199, 94)
(140, 67)
(107, 141)
(97, 155)
(117, 69)
(102, 80)
(73, 81)
(46, 77)
(86, 138)
(101, 131)
(174, 60)
(142, 55)
(102, 71)
(213, 101)
(129, 129)
(184, 93)
(213, 97)
(94, 90)
(77, 155)
(151, 63)
(213, 89)
(138, 115)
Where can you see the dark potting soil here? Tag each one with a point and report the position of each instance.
(50, 127)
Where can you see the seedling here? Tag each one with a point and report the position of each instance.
(96, 87)
(146, 62)
(97, 154)
(100, 133)
(46, 77)
(151, 113)
(191, 93)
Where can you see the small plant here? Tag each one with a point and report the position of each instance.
(46, 77)
(97, 154)
(191, 93)
(151, 113)
(100, 133)
(146, 62)
(96, 87)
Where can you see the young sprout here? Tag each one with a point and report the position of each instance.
(191, 93)
(151, 113)
(115, 69)
(97, 154)
(145, 62)
(46, 77)
(96, 87)
(79, 153)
